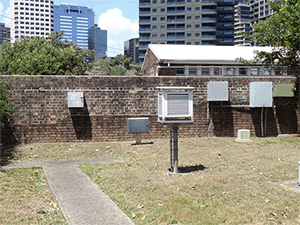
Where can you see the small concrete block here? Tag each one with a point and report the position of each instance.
(243, 136)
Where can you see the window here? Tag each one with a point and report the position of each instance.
(162, 1)
(197, 43)
(162, 10)
(197, 17)
(179, 72)
(162, 18)
(189, 9)
(154, 10)
(188, 34)
(162, 35)
(154, 35)
(162, 27)
(197, 8)
(197, 25)
(154, 1)
(192, 71)
(188, 17)
(154, 27)
(188, 43)
(188, 26)
(197, 34)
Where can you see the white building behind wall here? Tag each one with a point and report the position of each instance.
(31, 18)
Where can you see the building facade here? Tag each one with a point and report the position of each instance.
(75, 21)
(186, 22)
(4, 33)
(260, 10)
(204, 60)
(97, 40)
(131, 49)
(31, 18)
(242, 24)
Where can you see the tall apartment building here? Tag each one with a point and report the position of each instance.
(260, 10)
(76, 21)
(242, 23)
(31, 18)
(186, 22)
(131, 49)
(4, 33)
(97, 40)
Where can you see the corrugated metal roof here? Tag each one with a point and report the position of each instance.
(203, 52)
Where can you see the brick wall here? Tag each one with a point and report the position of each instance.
(110, 101)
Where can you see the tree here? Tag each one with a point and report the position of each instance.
(120, 65)
(44, 56)
(6, 108)
(282, 32)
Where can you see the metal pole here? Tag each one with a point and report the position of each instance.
(299, 174)
(171, 147)
(175, 148)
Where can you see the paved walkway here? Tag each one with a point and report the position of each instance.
(81, 201)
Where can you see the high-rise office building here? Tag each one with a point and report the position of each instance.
(31, 18)
(4, 33)
(131, 49)
(97, 40)
(242, 24)
(260, 10)
(186, 22)
(76, 21)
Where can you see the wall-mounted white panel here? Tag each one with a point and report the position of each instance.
(75, 100)
(261, 94)
(217, 91)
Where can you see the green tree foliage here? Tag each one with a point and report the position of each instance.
(120, 65)
(6, 108)
(282, 31)
(44, 56)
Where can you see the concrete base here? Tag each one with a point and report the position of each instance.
(243, 140)
(293, 186)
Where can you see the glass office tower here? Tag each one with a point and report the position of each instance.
(76, 21)
(98, 41)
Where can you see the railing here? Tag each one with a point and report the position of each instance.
(145, 29)
(208, 36)
(229, 71)
(145, 3)
(144, 12)
(209, 10)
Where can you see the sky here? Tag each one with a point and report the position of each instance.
(118, 17)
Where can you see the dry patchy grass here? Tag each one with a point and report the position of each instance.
(234, 183)
(25, 198)
(231, 183)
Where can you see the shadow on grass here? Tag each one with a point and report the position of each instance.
(145, 143)
(190, 169)
(7, 153)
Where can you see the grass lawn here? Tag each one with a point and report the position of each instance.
(25, 198)
(230, 183)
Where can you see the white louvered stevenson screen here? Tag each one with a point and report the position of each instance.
(175, 105)
(178, 104)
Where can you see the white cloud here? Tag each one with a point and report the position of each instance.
(115, 22)
(119, 29)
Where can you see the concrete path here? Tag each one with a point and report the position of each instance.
(80, 200)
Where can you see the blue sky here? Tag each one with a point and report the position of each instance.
(118, 17)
